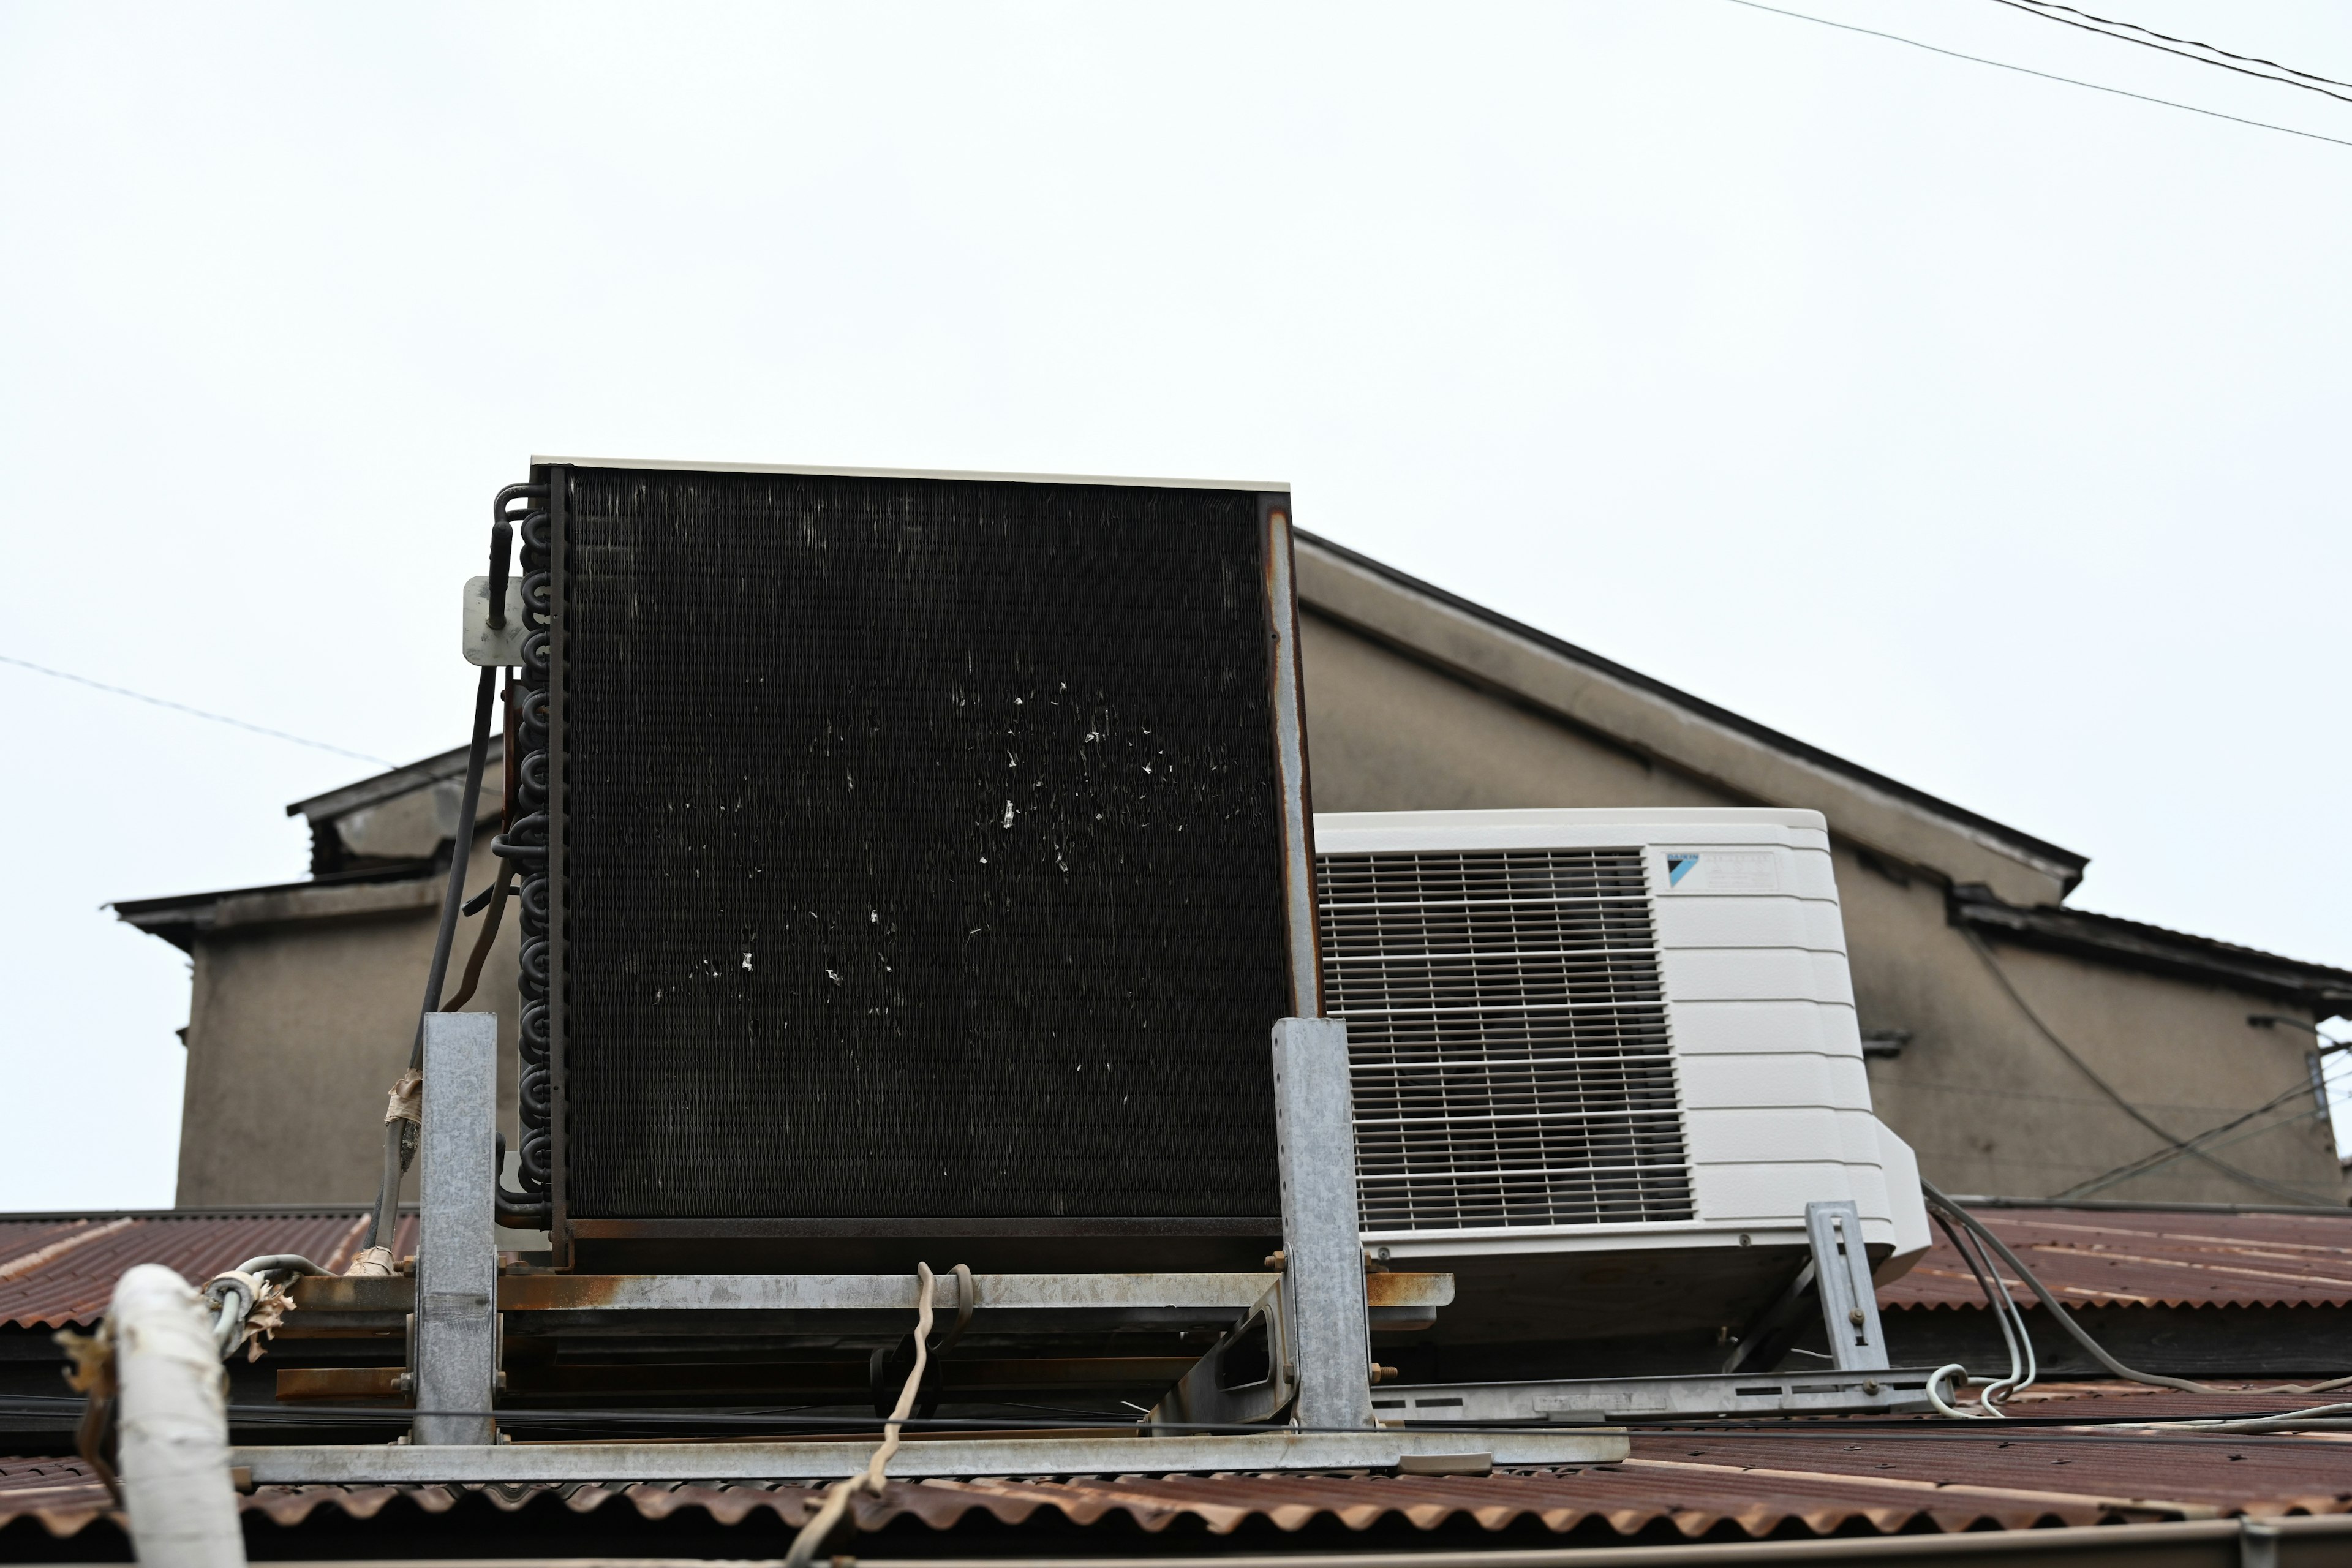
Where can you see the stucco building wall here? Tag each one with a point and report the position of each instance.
(297, 1026)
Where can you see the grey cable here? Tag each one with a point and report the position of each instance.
(1999, 1318)
(2045, 7)
(2029, 71)
(2148, 43)
(2197, 1144)
(2064, 1317)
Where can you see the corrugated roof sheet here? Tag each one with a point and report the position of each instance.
(2155, 1259)
(1819, 1477)
(59, 1270)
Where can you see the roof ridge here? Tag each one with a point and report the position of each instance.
(1701, 708)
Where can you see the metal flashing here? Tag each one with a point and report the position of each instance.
(860, 472)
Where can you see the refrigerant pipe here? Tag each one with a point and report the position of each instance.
(376, 1258)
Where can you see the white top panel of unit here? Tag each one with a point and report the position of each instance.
(854, 472)
(1366, 832)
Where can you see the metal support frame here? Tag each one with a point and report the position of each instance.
(456, 1337)
(1859, 1378)
(1329, 1327)
(391, 1464)
(1600, 1399)
(1849, 1299)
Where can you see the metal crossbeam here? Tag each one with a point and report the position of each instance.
(394, 1465)
(1601, 1399)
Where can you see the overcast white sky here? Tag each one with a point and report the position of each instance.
(1987, 430)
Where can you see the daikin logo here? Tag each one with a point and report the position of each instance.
(1678, 865)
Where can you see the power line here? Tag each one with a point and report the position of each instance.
(2043, 8)
(197, 712)
(2029, 71)
(2208, 1139)
(2149, 43)
(2172, 1145)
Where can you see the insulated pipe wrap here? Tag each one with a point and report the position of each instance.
(172, 1415)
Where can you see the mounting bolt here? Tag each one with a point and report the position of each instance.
(1383, 1373)
(1854, 1316)
(1276, 1261)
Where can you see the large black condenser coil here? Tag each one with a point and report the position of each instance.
(926, 863)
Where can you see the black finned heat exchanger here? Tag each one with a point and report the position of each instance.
(927, 864)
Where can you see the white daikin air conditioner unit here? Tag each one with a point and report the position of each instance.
(1603, 1060)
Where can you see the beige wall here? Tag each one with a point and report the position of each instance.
(296, 1031)
(1988, 1103)
(1993, 1107)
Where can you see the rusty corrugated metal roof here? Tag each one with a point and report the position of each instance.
(2155, 1258)
(1820, 1477)
(59, 1270)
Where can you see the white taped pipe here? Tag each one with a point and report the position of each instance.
(172, 1413)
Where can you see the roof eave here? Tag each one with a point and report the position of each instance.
(2109, 939)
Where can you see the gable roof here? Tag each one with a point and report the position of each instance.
(1686, 734)
(2156, 950)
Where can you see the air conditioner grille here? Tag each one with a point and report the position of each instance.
(1506, 1025)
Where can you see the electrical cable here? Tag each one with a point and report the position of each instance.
(2024, 1367)
(2043, 8)
(1992, 965)
(395, 1163)
(2029, 71)
(2064, 1319)
(192, 712)
(2150, 1164)
(2016, 1364)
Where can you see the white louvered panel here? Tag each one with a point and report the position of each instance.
(1507, 1024)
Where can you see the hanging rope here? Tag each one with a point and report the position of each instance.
(837, 1501)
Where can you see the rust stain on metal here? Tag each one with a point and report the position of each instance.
(2126, 1506)
(560, 1292)
(333, 1383)
(1407, 1289)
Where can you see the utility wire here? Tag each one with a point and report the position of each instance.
(2203, 1140)
(197, 712)
(2043, 8)
(2238, 1137)
(2046, 76)
(2110, 1091)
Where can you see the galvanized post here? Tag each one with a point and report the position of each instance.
(457, 1247)
(1323, 1277)
(1849, 1300)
